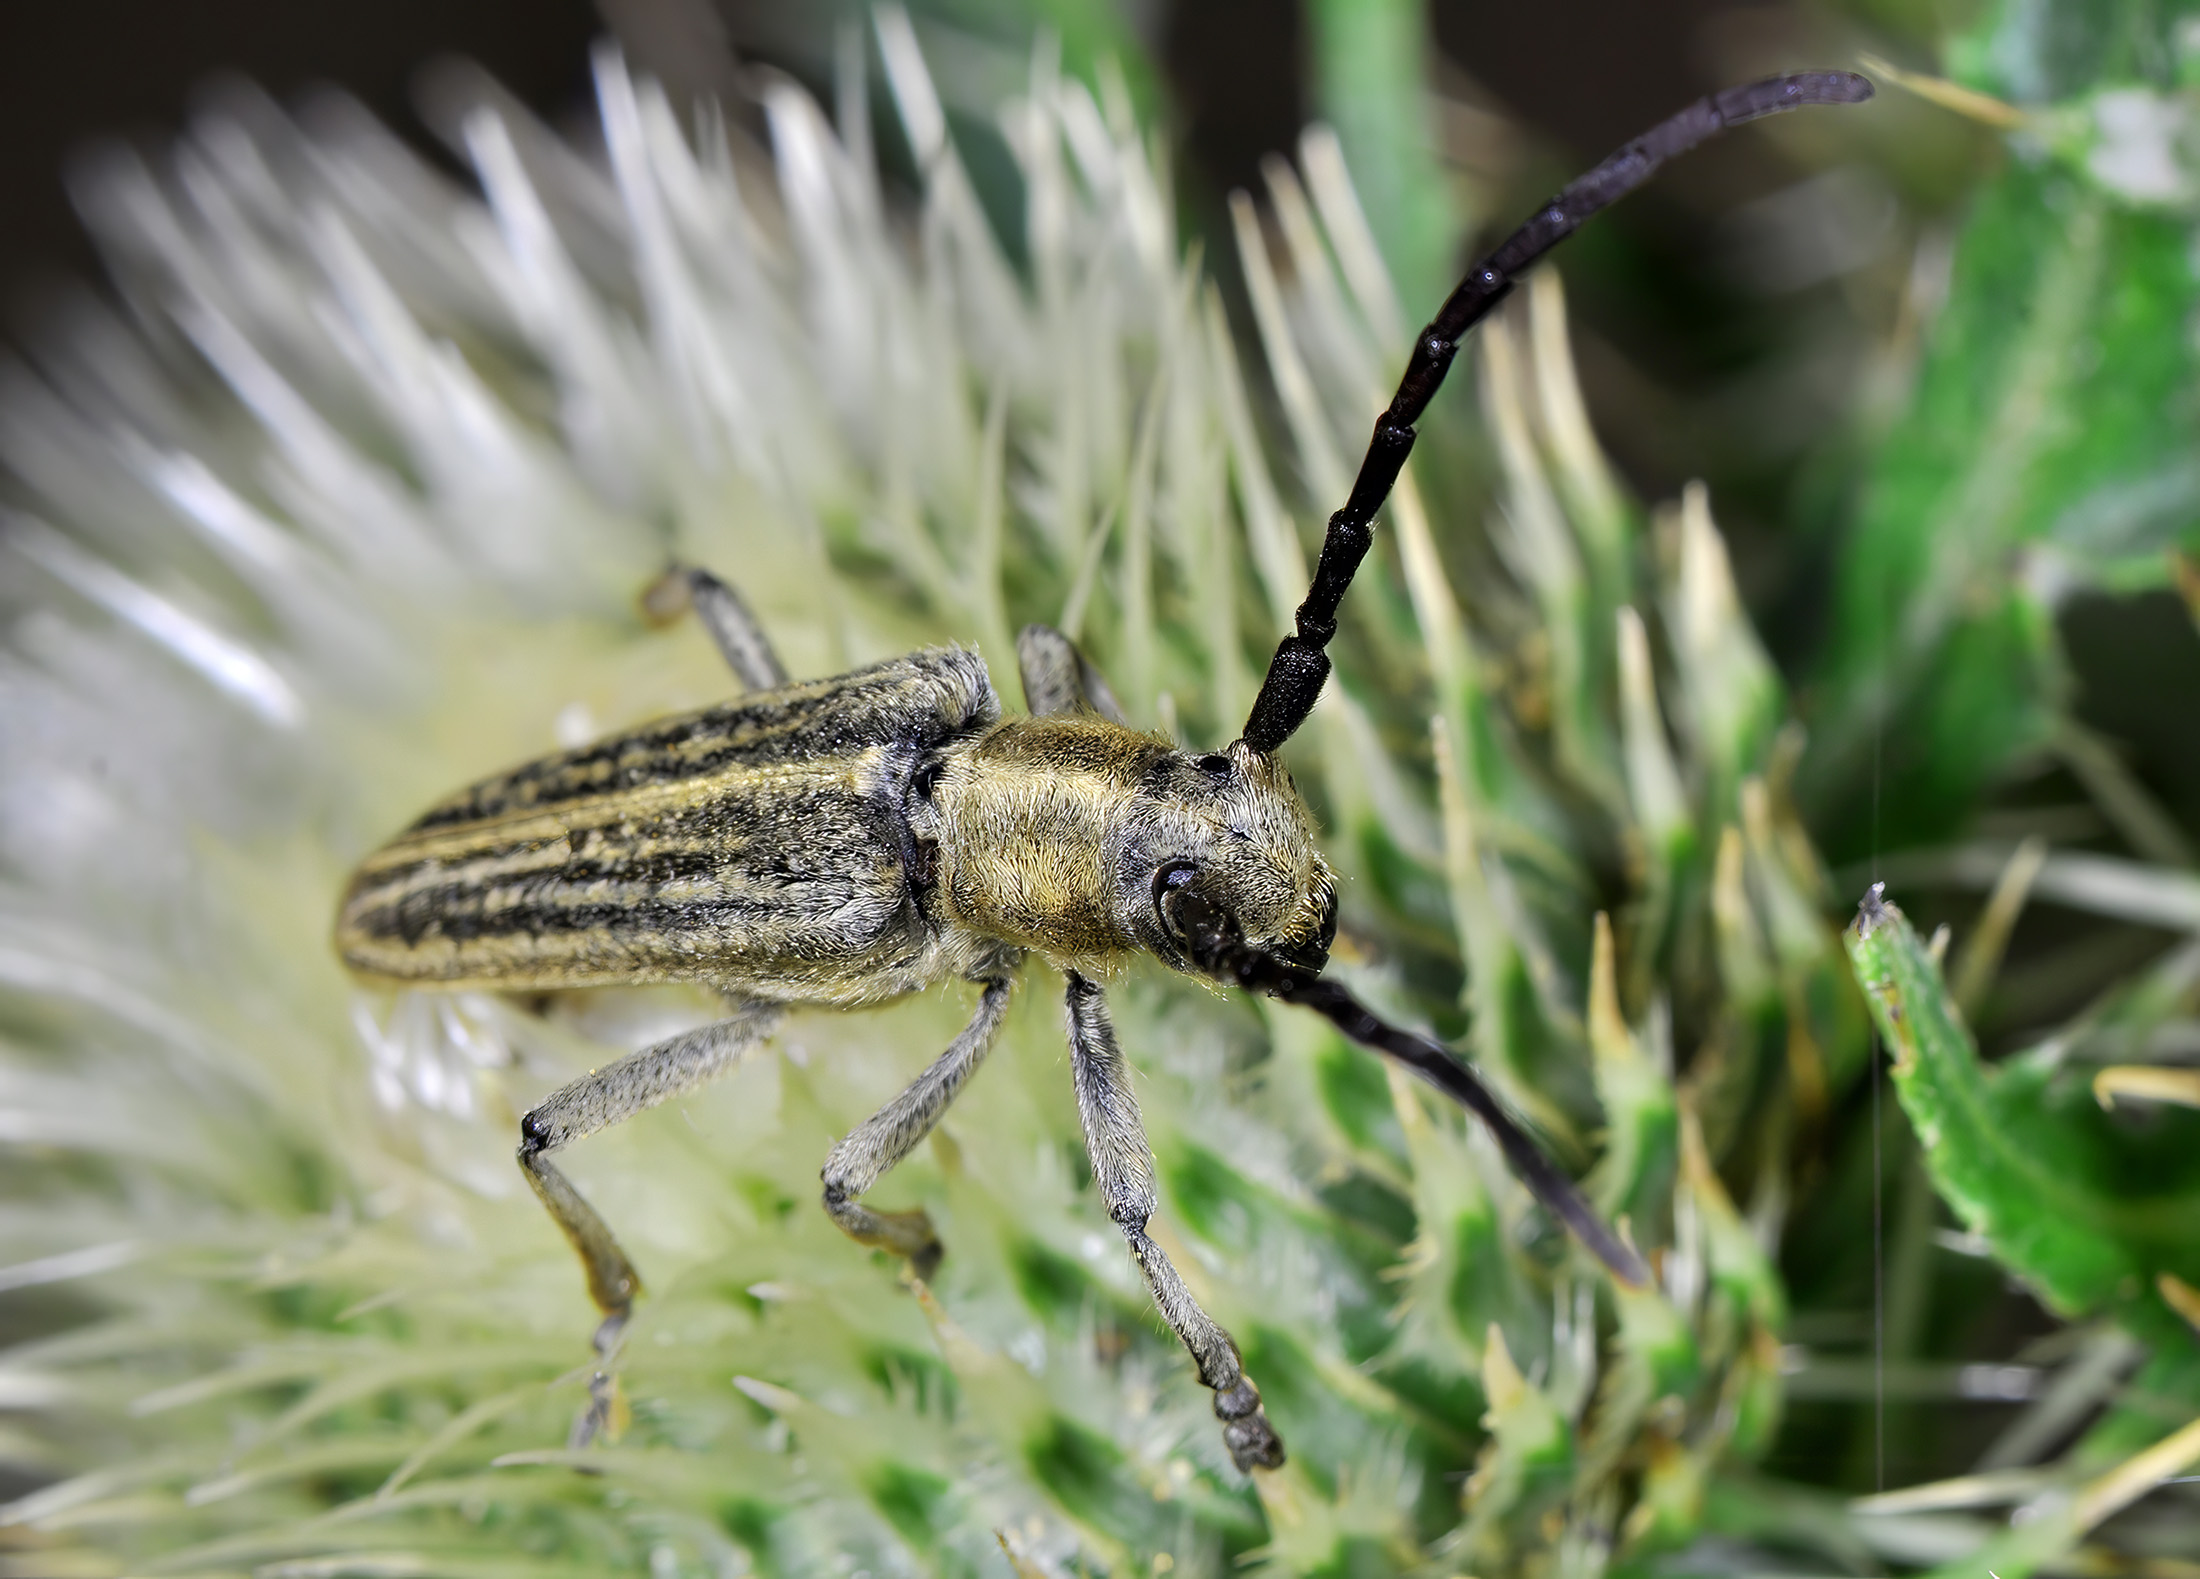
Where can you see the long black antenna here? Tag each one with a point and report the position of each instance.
(1428, 1059)
(1214, 944)
(1301, 663)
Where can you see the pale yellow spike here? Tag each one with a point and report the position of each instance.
(2147, 1083)
(1608, 1033)
(1502, 1383)
(1653, 779)
(1317, 447)
(1584, 473)
(1321, 155)
(1966, 102)
(2180, 1296)
(2136, 1476)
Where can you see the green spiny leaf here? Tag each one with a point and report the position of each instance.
(2085, 1206)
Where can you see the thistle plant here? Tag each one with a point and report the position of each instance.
(353, 501)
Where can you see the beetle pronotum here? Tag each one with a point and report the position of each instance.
(851, 840)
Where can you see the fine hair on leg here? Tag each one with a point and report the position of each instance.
(871, 1150)
(596, 1101)
(733, 629)
(1122, 1165)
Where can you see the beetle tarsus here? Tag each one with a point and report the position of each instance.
(909, 1234)
(1252, 1441)
(605, 1415)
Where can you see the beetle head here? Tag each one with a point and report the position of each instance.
(1230, 825)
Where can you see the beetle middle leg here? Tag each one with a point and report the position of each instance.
(1122, 1164)
(865, 1154)
(733, 628)
(596, 1101)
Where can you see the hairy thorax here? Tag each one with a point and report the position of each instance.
(1025, 816)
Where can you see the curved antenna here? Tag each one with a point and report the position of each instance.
(1560, 1196)
(1213, 942)
(1301, 663)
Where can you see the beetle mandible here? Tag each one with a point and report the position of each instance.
(848, 841)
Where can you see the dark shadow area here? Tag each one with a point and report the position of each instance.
(73, 75)
(2131, 657)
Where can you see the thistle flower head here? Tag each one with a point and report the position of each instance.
(350, 501)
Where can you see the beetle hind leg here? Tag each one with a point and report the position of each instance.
(868, 1151)
(596, 1101)
(733, 629)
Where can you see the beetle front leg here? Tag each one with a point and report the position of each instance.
(598, 1100)
(1123, 1166)
(873, 1147)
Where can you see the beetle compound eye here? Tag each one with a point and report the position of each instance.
(1214, 765)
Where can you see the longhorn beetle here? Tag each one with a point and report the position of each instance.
(850, 840)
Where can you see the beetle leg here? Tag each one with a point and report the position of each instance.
(733, 629)
(597, 1101)
(1060, 679)
(868, 1151)
(1123, 1166)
